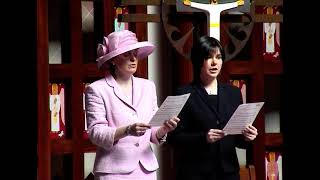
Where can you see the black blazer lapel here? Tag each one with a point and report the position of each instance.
(203, 95)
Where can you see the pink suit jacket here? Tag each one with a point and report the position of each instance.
(106, 109)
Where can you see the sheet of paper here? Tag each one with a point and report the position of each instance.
(171, 107)
(244, 115)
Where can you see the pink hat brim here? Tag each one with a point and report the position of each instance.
(144, 50)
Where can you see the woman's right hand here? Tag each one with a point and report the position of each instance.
(214, 135)
(138, 129)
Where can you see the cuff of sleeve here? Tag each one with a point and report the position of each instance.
(109, 138)
(103, 137)
(154, 138)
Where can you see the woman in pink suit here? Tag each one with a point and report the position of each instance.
(118, 110)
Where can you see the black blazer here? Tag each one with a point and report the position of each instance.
(193, 153)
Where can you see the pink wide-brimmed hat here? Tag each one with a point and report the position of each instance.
(120, 42)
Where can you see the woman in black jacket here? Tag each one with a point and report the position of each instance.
(203, 151)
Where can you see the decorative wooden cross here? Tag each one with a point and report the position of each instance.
(244, 20)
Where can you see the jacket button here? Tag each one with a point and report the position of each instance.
(136, 144)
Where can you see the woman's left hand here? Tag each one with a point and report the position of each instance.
(168, 125)
(250, 133)
(171, 124)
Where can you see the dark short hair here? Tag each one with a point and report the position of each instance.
(200, 51)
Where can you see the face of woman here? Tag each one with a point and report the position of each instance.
(127, 63)
(211, 67)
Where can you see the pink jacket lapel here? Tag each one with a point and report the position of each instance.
(119, 93)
